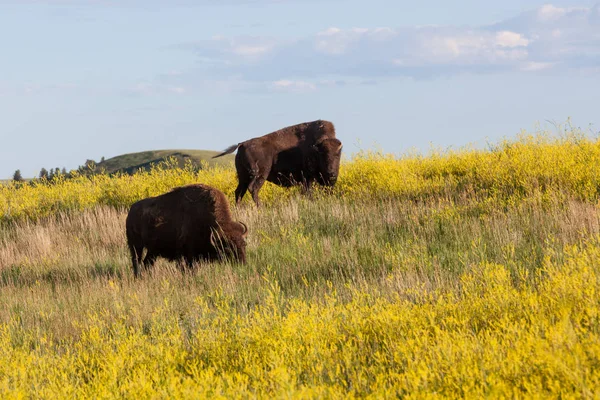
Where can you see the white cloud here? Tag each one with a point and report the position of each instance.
(510, 39)
(176, 89)
(154, 89)
(250, 51)
(329, 32)
(547, 38)
(335, 41)
(548, 12)
(293, 86)
(220, 50)
(442, 48)
(536, 66)
(432, 46)
(360, 30)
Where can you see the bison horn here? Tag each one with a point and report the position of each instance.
(245, 232)
(340, 148)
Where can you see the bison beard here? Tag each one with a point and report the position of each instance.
(190, 223)
(297, 155)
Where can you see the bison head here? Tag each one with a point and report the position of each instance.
(329, 153)
(242, 232)
(230, 241)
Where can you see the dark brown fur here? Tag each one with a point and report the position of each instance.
(297, 155)
(190, 222)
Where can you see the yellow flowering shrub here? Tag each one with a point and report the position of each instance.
(489, 337)
(532, 165)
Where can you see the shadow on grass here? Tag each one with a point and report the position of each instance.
(20, 276)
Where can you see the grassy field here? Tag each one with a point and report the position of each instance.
(459, 274)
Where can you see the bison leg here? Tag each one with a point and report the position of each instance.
(136, 265)
(254, 188)
(240, 191)
(136, 258)
(149, 260)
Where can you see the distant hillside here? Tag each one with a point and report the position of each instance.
(129, 163)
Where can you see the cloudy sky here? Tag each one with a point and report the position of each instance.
(84, 79)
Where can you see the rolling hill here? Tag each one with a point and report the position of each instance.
(131, 162)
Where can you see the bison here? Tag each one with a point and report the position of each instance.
(297, 155)
(190, 222)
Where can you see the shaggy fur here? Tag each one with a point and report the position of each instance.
(297, 155)
(190, 222)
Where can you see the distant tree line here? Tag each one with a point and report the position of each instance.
(90, 168)
(54, 174)
(17, 176)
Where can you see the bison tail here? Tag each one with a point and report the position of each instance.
(228, 150)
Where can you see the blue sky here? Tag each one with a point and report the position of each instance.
(86, 79)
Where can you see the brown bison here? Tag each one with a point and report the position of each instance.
(190, 222)
(297, 155)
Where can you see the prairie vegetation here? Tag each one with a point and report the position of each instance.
(467, 273)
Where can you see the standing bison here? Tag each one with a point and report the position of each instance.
(191, 223)
(297, 155)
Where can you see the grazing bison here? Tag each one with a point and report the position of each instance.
(190, 222)
(297, 155)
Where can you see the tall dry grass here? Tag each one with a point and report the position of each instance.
(417, 277)
(311, 248)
